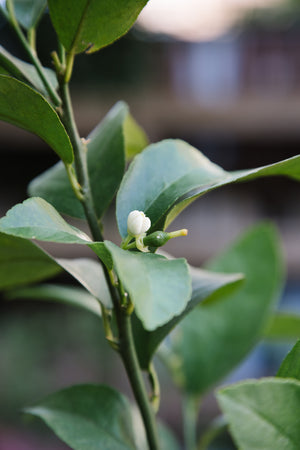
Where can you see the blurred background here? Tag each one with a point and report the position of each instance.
(222, 75)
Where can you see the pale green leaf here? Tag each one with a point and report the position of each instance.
(88, 417)
(167, 176)
(263, 414)
(92, 24)
(22, 106)
(29, 12)
(37, 219)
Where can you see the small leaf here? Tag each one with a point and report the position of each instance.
(29, 12)
(290, 367)
(106, 164)
(219, 334)
(68, 295)
(37, 219)
(22, 106)
(207, 286)
(88, 417)
(263, 414)
(92, 24)
(22, 262)
(167, 176)
(25, 71)
(90, 274)
(283, 325)
(159, 288)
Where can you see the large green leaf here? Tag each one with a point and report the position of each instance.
(263, 414)
(90, 274)
(25, 71)
(92, 24)
(158, 287)
(207, 286)
(37, 219)
(169, 175)
(283, 326)
(88, 417)
(29, 12)
(219, 334)
(69, 295)
(22, 262)
(106, 163)
(22, 106)
(290, 367)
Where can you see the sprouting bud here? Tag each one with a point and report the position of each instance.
(159, 238)
(137, 223)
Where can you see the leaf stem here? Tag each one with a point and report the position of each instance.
(154, 381)
(32, 54)
(190, 408)
(217, 427)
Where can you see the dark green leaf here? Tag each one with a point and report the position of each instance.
(207, 286)
(159, 288)
(29, 12)
(68, 295)
(106, 163)
(90, 274)
(88, 417)
(263, 414)
(290, 367)
(25, 71)
(22, 262)
(92, 24)
(219, 334)
(22, 106)
(37, 219)
(169, 175)
(283, 325)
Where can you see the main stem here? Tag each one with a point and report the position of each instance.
(126, 341)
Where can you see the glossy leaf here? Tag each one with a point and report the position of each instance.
(159, 288)
(219, 334)
(88, 417)
(207, 286)
(22, 262)
(90, 274)
(106, 163)
(169, 175)
(68, 295)
(263, 414)
(92, 24)
(25, 71)
(22, 106)
(29, 12)
(290, 367)
(37, 219)
(283, 326)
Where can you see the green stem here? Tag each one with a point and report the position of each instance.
(217, 427)
(154, 382)
(126, 344)
(190, 408)
(32, 55)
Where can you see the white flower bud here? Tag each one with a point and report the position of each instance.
(137, 223)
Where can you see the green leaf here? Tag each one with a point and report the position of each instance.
(159, 288)
(25, 71)
(90, 274)
(22, 262)
(290, 367)
(283, 325)
(22, 106)
(88, 417)
(263, 414)
(167, 176)
(29, 12)
(37, 219)
(68, 295)
(106, 164)
(135, 137)
(210, 342)
(92, 24)
(207, 286)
